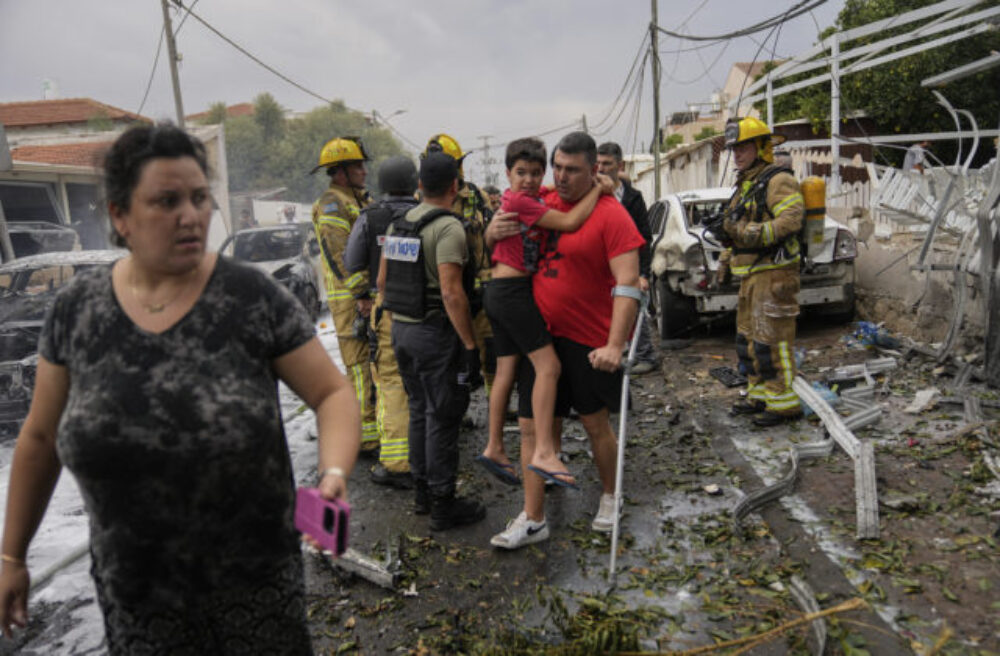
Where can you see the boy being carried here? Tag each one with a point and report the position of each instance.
(518, 327)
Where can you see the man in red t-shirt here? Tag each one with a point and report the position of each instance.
(590, 327)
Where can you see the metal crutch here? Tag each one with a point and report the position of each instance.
(641, 318)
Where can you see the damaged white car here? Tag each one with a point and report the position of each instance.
(686, 261)
(289, 252)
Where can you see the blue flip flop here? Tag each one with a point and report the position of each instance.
(553, 477)
(505, 473)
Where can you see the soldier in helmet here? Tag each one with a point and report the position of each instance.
(397, 180)
(348, 295)
(762, 225)
(473, 207)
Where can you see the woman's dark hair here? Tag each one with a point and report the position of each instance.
(530, 149)
(124, 161)
(575, 143)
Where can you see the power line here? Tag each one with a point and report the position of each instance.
(793, 12)
(636, 83)
(639, 53)
(281, 75)
(152, 73)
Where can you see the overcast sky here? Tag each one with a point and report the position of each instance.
(505, 68)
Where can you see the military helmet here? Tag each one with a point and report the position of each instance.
(340, 151)
(397, 175)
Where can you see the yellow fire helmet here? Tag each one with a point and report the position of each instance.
(745, 129)
(444, 143)
(339, 151)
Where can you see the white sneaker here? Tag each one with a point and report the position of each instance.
(521, 532)
(604, 520)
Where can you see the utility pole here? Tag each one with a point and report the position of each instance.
(654, 44)
(583, 123)
(833, 191)
(168, 31)
(489, 175)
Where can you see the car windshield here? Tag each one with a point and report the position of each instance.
(698, 212)
(267, 245)
(40, 280)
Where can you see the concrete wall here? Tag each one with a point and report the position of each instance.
(914, 303)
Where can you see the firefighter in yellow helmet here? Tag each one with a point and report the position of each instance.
(762, 225)
(474, 208)
(348, 295)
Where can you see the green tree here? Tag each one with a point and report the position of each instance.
(270, 116)
(216, 114)
(706, 133)
(891, 94)
(672, 141)
(267, 151)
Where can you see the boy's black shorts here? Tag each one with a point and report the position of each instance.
(518, 327)
(580, 385)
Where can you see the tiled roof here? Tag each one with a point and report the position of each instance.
(241, 109)
(70, 110)
(753, 69)
(75, 154)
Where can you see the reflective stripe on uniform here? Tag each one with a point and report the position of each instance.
(746, 270)
(786, 203)
(767, 233)
(355, 280)
(787, 364)
(369, 429)
(338, 293)
(756, 392)
(335, 221)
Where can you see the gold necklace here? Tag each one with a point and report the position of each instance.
(156, 308)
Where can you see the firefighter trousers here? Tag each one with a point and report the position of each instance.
(765, 336)
(355, 354)
(483, 333)
(392, 410)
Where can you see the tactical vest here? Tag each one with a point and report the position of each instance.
(406, 290)
(379, 216)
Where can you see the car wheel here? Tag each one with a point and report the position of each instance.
(677, 312)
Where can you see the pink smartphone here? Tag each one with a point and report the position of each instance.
(325, 521)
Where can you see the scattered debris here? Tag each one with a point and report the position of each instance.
(864, 370)
(804, 597)
(923, 400)
(862, 418)
(728, 376)
(759, 498)
(712, 489)
(385, 574)
(863, 454)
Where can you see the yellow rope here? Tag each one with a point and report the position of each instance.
(755, 641)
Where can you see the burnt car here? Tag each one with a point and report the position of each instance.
(287, 251)
(28, 287)
(34, 237)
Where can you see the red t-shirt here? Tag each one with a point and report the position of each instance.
(522, 251)
(573, 284)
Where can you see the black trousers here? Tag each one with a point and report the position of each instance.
(429, 357)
